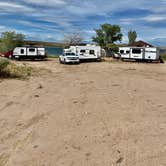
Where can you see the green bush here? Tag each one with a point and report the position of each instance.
(52, 56)
(11, 70)
(3, 64)
(163, 56)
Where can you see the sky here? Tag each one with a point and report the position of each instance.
(50, 20)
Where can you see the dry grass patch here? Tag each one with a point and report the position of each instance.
(11, 70)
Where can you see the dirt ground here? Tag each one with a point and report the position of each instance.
(92, 114)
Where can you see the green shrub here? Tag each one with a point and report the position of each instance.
(52, 56)
(11, 70)
(3, 64)
(163, 56)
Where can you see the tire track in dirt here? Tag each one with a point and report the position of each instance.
(4, 158)
(21, 127)
(24, 133)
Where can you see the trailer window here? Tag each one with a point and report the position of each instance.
(92, 52)
(127, 52)
(31, 50)
(22, 51)
(136, 51)
(151, 51)
(82, 51)
(122, 51)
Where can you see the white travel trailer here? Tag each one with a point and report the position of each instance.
(139, 53)
(87, 52)
(29, 53)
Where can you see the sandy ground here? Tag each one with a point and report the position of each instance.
(92, 114)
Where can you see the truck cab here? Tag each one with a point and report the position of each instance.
(69, 57)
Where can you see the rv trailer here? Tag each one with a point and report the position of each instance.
(29, 53)
(87, 52)
(139, 53)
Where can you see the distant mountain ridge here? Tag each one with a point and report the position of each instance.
(160, 42)
(42, 43)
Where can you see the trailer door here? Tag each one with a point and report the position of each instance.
(83, 53)
(31, 51)
(94, 53)
(151, 53)
(41, 51)
(136, 53)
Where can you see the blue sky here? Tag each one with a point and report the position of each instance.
(50, 20)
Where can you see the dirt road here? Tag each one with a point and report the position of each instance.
(92, 114)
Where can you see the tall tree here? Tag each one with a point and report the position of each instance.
(10, 40)
(107, 35)
(132, 36)
(73, 39)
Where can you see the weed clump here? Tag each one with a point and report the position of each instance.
(11, 70)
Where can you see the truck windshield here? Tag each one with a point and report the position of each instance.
(71, 54)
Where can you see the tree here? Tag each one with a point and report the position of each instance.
(10, 40)
(112, 47)
(132, 35)
(73, 39)
(107, 35)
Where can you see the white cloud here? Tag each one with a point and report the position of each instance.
(2, 28)
(6, 28)
(154, 18)
(127, 21)
(39, 26)
(14, 7)
(46, 2)
(149, 18)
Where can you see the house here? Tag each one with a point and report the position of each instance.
(140, 43)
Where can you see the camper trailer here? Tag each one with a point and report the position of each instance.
(29, 53)
(139, 53)
(87, 52)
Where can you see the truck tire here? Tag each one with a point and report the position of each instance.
(98, 59)
(60, 61)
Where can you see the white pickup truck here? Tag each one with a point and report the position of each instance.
(69, 57)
